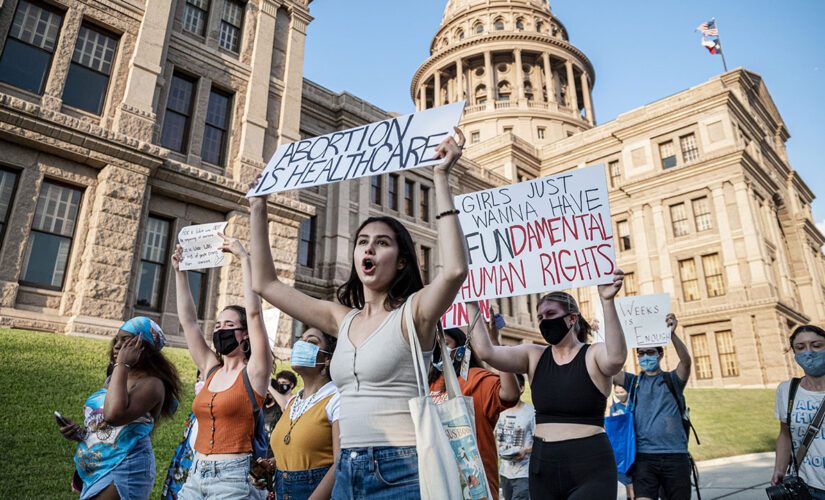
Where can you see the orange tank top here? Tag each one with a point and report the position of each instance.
(225, 420)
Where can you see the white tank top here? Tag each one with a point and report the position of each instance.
(375, 382)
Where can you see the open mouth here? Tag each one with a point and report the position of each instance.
(368, 266)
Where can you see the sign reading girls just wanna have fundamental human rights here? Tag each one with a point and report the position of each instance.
(551, 233)
(398, 143)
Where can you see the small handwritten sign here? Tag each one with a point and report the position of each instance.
(644, 319)
(201, 246)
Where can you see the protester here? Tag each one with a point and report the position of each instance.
(114, 458)
(514, 434)
(223, 408)
(184, 454)
(378, 457)
(570, 381)
(306, 440)
(662, 460)
(619, 407)
(808, 345)
(491, 393)
(283, 385)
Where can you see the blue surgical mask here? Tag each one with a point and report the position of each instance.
(459, 356)
(649, 363)
(812, 362)
(305, 354)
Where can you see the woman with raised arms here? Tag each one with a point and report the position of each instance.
(372, 366)
(570, 382)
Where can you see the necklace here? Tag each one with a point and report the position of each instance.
(298, 408)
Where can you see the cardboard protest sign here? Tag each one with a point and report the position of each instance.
(398, 143)
(271, 318)
(643, 319)
(457, 316)
(551, 233)
(201, 246)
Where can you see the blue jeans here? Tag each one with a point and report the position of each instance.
(380, 473)
(219, 480)
(298, 484)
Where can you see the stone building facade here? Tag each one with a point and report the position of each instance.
(170, 126)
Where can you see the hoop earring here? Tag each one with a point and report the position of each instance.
(245, 347)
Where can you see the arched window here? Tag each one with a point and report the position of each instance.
(528, 90)
(504, 91)
(539, 26)
(460, 34)
(499, 25)
(479, 28)
(519, 24)
(481, 94)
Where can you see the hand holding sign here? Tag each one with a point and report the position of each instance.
(233, 246)
(200, 247)
(450, 149)
(609, 291)
(646, 319)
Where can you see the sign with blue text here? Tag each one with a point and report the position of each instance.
(551, 233)
(398, 143)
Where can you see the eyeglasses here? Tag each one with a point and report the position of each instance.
(649, 352)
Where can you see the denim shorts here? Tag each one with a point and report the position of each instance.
(298, 484)
(380, 473)
(133, 477)
(219, 480)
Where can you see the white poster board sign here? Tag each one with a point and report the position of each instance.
(551, 233)
(271, 318)
(457, 315)
(399, 143)
(644, 319)
(201, 246)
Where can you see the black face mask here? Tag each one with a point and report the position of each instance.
(554, 330)
(283, 388)
(225, 341)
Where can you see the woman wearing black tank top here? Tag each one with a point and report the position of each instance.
(570, 382)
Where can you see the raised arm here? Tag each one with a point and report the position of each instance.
(509, 390)
(511, 359)
(259, 367)
(611, 355)
(431, 302)
(683, 368)
(321, 314)
(201, 354)
(123, 405)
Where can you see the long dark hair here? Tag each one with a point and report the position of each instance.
(570, 306)
(407, 280)
(460, 339)
(247, 348)
(153, 363)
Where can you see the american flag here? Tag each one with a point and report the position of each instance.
(708, 28)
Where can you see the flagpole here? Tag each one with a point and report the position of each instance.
(721, 49)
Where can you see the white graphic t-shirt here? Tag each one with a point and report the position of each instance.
(514, 431)
(805, 405)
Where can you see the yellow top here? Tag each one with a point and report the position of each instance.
(310, 440)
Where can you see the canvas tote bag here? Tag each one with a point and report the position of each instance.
(449, 464)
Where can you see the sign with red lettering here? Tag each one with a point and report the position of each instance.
(457, 316)
(400, 143)
(644, 319)
(551, 233)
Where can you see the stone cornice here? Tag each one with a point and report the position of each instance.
(478, 43)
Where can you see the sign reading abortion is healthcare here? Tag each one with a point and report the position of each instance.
(399, 143)
(551, 233)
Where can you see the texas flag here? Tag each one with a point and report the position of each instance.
(712, 44)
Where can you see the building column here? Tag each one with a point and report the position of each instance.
(573, 100)
(663, 250)
(290, 115)
(519, 74)
(437, 88)
(549, 82)
(753, 244)
(488, 71)
(588, 104)
(729, 262)
(253, 121)
(639, 223)
(459, 80)
(56, 79)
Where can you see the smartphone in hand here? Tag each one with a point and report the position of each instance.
(60, 419)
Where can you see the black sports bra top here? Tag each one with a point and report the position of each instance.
(565, 394)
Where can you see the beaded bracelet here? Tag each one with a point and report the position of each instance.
(448, 212)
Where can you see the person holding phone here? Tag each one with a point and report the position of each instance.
(223, 409)
(373, 366)
(114, 457)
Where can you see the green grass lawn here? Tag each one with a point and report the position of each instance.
(44, 372)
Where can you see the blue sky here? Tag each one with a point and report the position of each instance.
(642, 51)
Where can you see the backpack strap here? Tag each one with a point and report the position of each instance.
(791, 395)
(255, 408)
(212, 370)
(668, 376)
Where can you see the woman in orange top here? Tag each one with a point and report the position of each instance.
(224, 412)
(491, 393)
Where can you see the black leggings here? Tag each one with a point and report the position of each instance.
(583, 468)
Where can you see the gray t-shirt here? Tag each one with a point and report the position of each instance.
(514, 431)
(656, 416)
